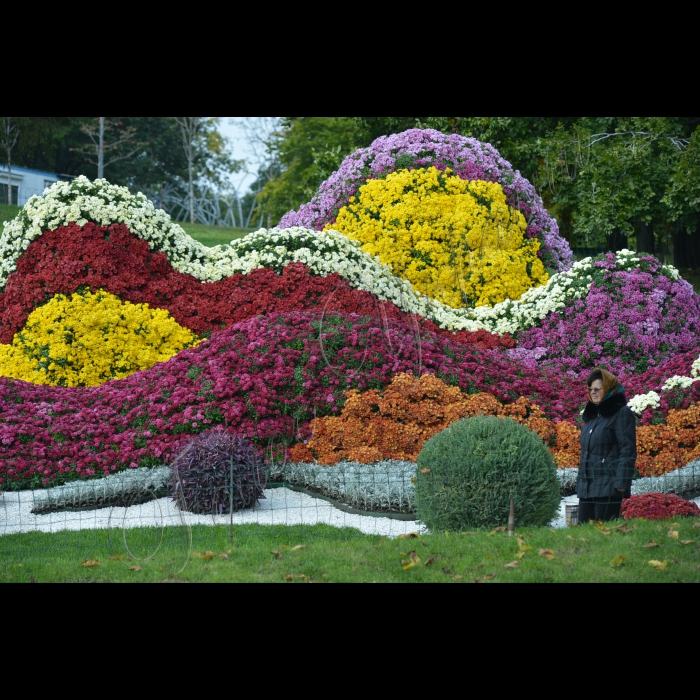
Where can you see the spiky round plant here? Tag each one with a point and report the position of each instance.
(216, 473)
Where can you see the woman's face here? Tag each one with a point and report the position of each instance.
(597, 392)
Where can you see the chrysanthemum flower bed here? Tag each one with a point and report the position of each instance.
(299, 317)
(455, 240)
(468, 158)
(267, 379)
(90, 339)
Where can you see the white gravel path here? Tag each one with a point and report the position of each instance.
(281, 507)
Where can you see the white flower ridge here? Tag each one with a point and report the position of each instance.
(324, 253)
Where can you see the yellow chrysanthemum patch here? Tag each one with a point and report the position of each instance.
(456, 241)
(91, 338)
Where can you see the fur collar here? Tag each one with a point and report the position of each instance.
(606, 410)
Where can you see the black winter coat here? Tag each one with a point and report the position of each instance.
(608, 449)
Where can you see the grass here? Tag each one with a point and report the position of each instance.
(208, 235)
(258, 554)
(214, 235)
(8, 212)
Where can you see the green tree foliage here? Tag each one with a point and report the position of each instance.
(308, 150)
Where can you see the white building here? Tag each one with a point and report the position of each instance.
(25, 184)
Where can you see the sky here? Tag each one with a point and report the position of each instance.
(240, 152)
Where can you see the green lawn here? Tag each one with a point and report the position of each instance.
(208, 235)
(214, 235)
(323, 555)
(7, 213)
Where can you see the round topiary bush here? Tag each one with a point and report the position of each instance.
(216, 472)
(468, 474)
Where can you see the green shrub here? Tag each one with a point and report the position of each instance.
(468, 474)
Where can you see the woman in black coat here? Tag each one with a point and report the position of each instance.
(608, 450)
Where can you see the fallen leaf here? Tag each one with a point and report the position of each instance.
(687, 542)
(458, 578)
(485, 579)
(119, 557)
(497, 530)
(521, 555)
(673, 534)
(299, 548)
(625, 530)
(522, 546)
(659, 566)
(430, 562)
(696, 526)
(91, 564)
(207, 556)
(224, 556)
(554, 532)
(425, 471)
(414, 480)
(410, 536)
(136, 568)
(414, 560)
(230, 552)
(289, 577)
(513, 565)
(279, 555)
(548, 554)
(617, 562)
(605, 532)
(651, 545)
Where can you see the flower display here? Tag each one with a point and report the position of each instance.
(468, 158)
(658, 506)
(89, 339)
(629, 321)
(318, 346)
(455, 240)
(395, 424)
(266, 379)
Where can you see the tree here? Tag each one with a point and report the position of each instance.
(9, 133)
(308, 150)
(25, 133)
(191, 128)
(97, 131)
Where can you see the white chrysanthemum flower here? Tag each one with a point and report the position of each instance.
(641, 403)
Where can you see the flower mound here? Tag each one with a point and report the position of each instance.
(89, 339)
(633, 318)
(468, 158)
(658, 506)
(395, 424)
(266, 379)
(456, 241)
(217, 473)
